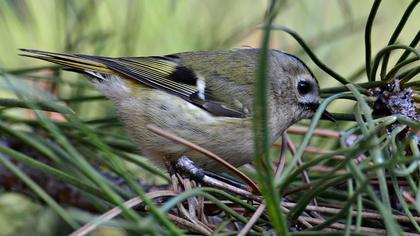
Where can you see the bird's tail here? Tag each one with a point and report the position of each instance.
(72, 62)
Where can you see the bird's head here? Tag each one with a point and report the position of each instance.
(295, 89)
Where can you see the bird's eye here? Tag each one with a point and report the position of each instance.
(304, 87)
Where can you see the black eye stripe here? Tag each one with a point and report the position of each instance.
(304, 87)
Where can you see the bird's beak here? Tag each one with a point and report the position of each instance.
(325, 115)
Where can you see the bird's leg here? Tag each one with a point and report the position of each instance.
(189, 174)
(186, 166)
(172, 174)
(180, 183)
(225, 179)
(175, 181)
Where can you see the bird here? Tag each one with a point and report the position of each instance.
(206, 97)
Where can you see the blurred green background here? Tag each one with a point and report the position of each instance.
(334, 29)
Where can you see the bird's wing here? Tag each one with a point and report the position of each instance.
(165, 73)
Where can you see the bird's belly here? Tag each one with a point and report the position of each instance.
(230, 138)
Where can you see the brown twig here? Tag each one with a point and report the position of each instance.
(300, 218)
(193, 206)
(366, 215)
(327, 169)
(327, 133)
(352, 227)
(188, 225)
(244, 231)
(408, 198)
(315, 150)
(220, 184)
(297, 189)
(292, 149)
(283, 152)
(305, 175)
(343, 226)
(92, 225)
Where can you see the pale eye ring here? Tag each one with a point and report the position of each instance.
(303, 87)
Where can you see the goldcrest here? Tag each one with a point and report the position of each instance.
(206, 97)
